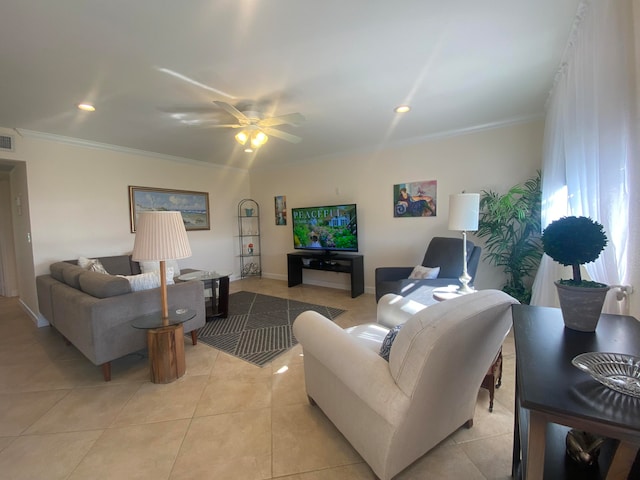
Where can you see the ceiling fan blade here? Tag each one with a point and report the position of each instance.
(217, 125)
(201, 110)
(193, 82)
(289, 119)
(233, 111)
(282, 135)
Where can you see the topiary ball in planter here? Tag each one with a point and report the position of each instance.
(581, 306)
(574, 241)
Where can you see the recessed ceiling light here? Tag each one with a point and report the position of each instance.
(87, 107)
(402, 109)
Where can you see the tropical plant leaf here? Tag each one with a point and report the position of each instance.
(511, 227)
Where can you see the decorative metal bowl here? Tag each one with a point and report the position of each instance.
(617, 371)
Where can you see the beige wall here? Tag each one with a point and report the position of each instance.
(75, 199)
(75, 202)
(489, 159)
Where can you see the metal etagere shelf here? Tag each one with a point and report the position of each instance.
(249, 238)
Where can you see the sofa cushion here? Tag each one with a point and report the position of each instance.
(56, 270)
(120, 265)
(116, 264)
(100, 285)
(71, 275)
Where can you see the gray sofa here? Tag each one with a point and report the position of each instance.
(94, 311)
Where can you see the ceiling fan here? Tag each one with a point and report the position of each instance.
(256, 129)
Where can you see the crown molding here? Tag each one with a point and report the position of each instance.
(78, 142)
(401, 143)
(458, 132)
(474, 129)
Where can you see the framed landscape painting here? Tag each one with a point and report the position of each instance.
(194, 206)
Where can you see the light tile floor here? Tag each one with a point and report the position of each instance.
(225, 419)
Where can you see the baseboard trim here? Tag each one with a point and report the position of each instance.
(338, 286)
(36, 318)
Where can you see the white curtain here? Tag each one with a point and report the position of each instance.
(588, 143)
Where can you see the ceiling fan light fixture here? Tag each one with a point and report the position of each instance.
(242, 137)
(255, 137)
(258, 139)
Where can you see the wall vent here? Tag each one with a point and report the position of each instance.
(6, 143)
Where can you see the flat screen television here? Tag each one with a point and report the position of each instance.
(327, 228)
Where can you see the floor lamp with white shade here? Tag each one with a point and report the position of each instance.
(161, 236)
(464, 211)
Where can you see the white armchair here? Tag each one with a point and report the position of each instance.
(395, 310)
(394, 412)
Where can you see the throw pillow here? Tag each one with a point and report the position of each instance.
(92, 264)
(154, 266)
(147, 281)
(385, 348)
(424, 273)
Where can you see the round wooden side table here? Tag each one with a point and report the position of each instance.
(165, 343)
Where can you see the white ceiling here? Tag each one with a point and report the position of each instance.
(343, 64)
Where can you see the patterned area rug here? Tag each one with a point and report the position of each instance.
(258, 327)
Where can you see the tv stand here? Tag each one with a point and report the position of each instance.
(325, 254)
(334, 262)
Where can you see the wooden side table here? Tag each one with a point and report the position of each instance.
(165, 343)
(552, 396)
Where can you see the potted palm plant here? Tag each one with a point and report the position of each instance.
(574, 241)
(510, 225)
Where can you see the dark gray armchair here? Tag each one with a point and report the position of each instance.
(442, 252)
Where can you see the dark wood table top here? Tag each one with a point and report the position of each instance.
(547, 380)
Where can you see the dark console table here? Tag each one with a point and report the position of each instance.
(342, 263)
(216, 291)
(552, 396)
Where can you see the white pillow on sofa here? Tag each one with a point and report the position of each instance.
(424, 273)
(92, 264)
(149, 280)
(154, 266)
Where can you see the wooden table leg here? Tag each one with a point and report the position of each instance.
(166, 353)
(622, 461)
(536, 446)
(493, 375)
